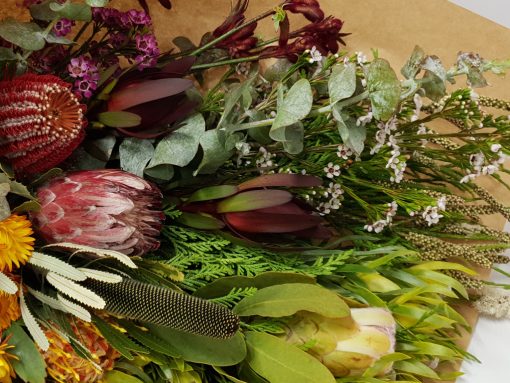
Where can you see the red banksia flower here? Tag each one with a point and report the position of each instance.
(106, 209)
(256, 207)
(41, 122)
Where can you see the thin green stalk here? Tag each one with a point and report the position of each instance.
(226, 62)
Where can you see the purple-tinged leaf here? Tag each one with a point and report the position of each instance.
(142, 92)
(213, 192)
(281, 179)
(257, 222)
(253, 200)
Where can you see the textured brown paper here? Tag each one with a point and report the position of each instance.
(393, 27)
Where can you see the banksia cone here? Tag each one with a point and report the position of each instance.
(41, 122)
(64, 365)
(106, 209)
(149, 303)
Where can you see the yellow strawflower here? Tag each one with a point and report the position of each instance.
(16, 243)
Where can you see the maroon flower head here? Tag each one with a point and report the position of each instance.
(308, 8)
(106, 209)
(41, 122)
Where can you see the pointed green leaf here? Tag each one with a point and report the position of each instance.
(253, 200)
(287, 299)
(119, 119)
(279, 362)
(213, 192)
(200, 221)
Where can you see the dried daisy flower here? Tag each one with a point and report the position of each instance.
(16, 243)
(64, 365)
(41, 122)
(9, 311)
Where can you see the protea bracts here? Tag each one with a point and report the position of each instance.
(41, 122)
(346, 346)
(106, 209)
(156, 96)
(257, 207)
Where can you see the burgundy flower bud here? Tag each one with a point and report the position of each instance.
(106, 209)
(308, 8)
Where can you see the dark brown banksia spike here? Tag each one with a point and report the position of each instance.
(149, 303)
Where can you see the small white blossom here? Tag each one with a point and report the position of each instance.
(468, 177)
(363, 120)
(441, 203)
(265, 159)
(332, 170)
(477, 160)
(473, 95)
(418, 103)
(344, 152)
(315, 55)
(324, 208)
(431, 215)
(502, 158)
(335, 190)
(377, 226)
(495, 148)
(490, 169)
(335, 203)
(243, 148)
(361, 58)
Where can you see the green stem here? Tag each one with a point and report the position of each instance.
(226, 62)
(231, 32)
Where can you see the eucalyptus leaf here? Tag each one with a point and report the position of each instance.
(384, 89)
(73, 11)
(353, 136)
(29, 364)
(434, 86)
(161, 172)
(42, 12)
(222, 286)
(101, 148)
(287, 299)
(6, 54)
(472, 64)
(233, 97)
(180, 146)
(413, 66)
(280, 362)
(214, 153)
(135, 154)
(342, 82)
(433, 64)
(51, 38)
(201, 349)
(277, 71)
(28, 36)
(97, 3)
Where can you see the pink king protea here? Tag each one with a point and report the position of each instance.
(107, 209)
(41, 122)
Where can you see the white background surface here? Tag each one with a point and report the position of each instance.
(491, 338)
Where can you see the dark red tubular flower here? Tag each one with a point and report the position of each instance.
(310, 9)
(156, 95)
(41, 122)
(242, 41)
(256, 208)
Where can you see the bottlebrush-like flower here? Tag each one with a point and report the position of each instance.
(9, 310)
(256, 207)
(156, 95)
(41, 122)
(16, 243)
(6, 369)
(106, 209)
(64, 365)
(346, 346)
(149, 303)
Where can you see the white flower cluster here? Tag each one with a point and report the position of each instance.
(243, 149)
(379, 226)
(363, 120)
(422, 129)
(478, 162)
(264, 159)
(333, 192)
(315, 55)
(431, 214)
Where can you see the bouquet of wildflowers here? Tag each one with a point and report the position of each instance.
(303, 219)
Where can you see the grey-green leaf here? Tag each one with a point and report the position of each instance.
(287, 299)
(384, 89)
(413, 66)
(7, 54)
(342, 82)
(280, 362)
(28, 36)
(214, 152)
(73, 11)
(134, 155)
(353, 136)
(292, 108)
(181, 146)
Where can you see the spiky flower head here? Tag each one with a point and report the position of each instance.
(64, 365)
(16, 243)
(154, 304)
(105, 209)
(9, 309)
(6, 369)
(41, 122)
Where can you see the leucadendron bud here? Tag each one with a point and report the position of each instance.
(346, 346)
